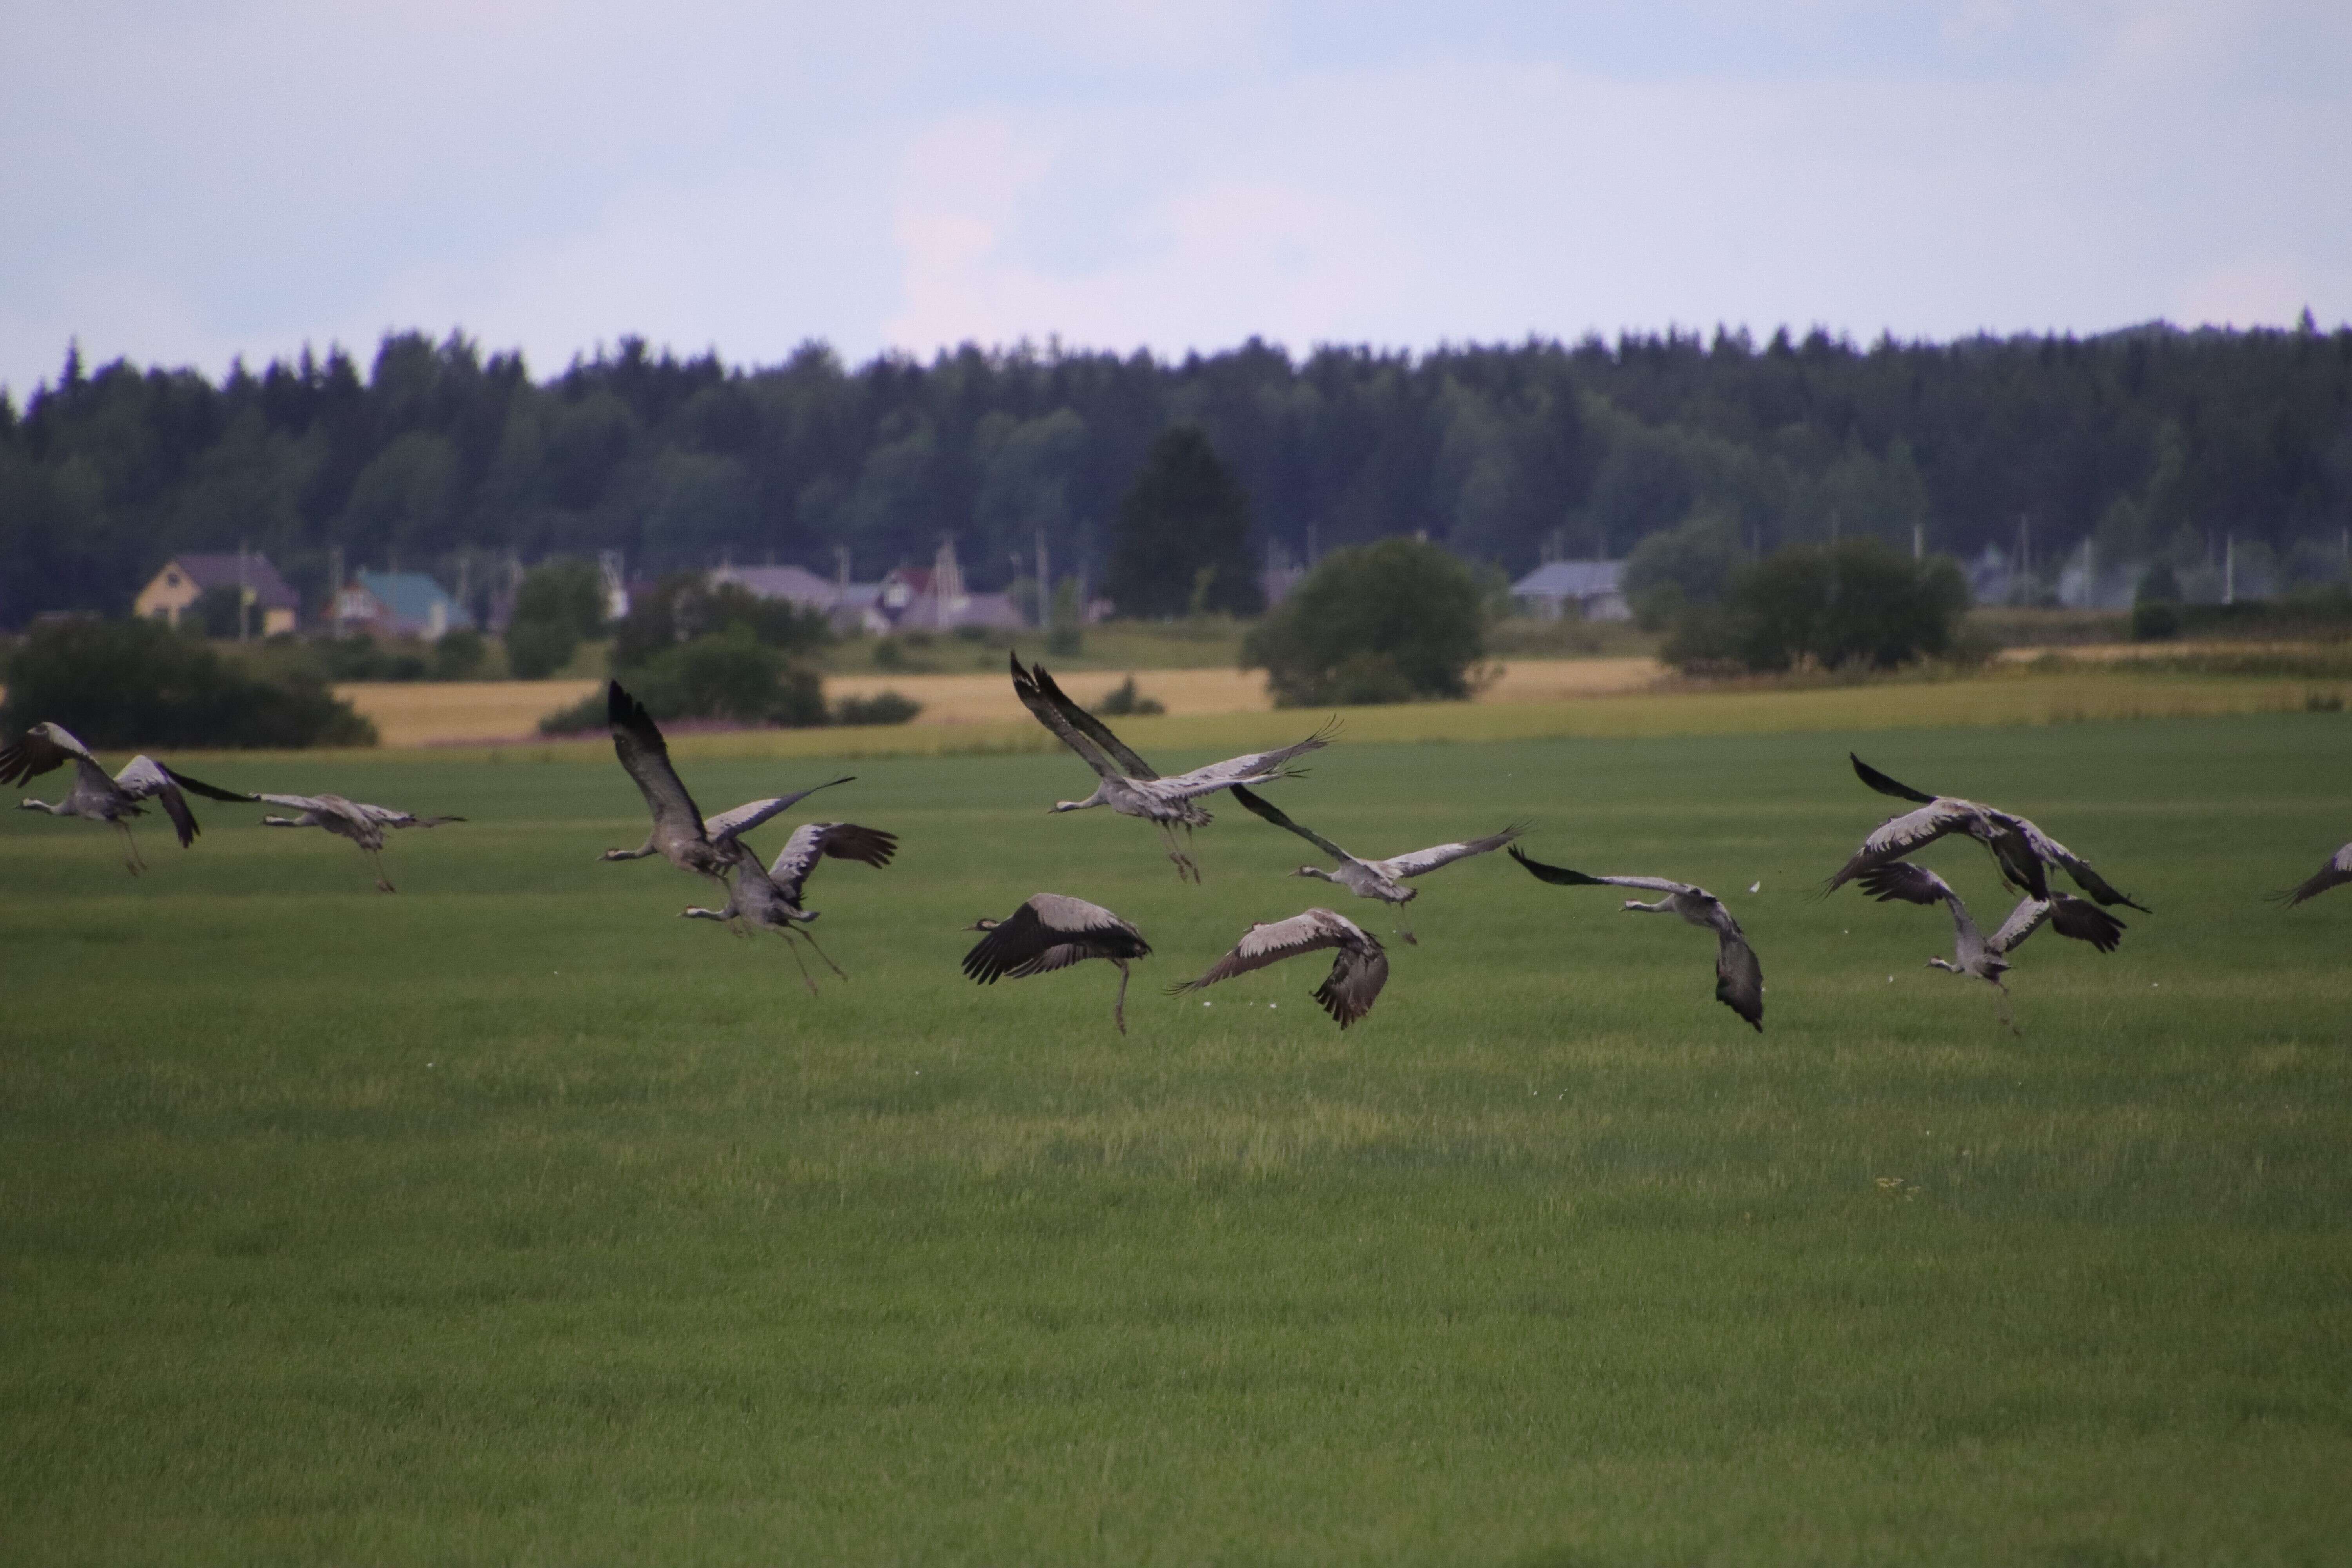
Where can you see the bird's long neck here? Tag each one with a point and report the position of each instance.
(696, 914)
(29, 803)
(1947, 968)
(1317, 872)
(1663, 906)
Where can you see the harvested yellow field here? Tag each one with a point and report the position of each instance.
(425, 713)
(2014, 696)
(436, 712)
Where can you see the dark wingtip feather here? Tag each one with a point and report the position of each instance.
(1558, 874)
(1884, 784)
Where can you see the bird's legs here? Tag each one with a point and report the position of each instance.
(1118, 1005)
(801, 933)
(132, 859)
(2007, 1013)
(382, 882)
(786, 932)
(1185, 869)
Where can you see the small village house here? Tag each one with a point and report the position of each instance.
(397, 605)
(272, 606)
(1593, 589)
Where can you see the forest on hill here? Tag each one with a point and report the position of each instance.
(2151, 441)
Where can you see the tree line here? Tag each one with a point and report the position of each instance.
(2151, 442)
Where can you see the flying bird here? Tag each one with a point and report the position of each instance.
(1128, 785)
(1739, 977)
(1987, 957)
(2334, 874)
(680, 834)
(2018, 848)
(95, 797)
(1054, 930)
(1381, 880)
(362, 823)
(1357, 974)
(770, 896)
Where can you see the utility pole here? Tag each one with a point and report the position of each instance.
(1918, 541)
(2230, 569)
(1045, 584)
(335, 588)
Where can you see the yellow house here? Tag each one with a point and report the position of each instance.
(184, 579)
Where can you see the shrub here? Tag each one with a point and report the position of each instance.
(138, 683)
(459, 655)
(1689, 564)
(1858, 603)
(882, 708)
(1381, 623)
(727, 675)
(537, 649)
(2155, 620)
(1123, 698)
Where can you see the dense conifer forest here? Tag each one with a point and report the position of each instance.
(2151, 441)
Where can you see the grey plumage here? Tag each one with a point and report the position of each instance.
(1738, 976)
(2334, 874)
(1987, 957)
(770, 897)
(2020, 848)
(361, 822)
(95, 797)
(1128, 785)
(1054, 930)
(1358, 972)
(680, 834)
(1381, 880)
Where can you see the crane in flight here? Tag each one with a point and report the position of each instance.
(681, 835)
(1054, 930)
(2020, 848)
(1739, 977)
(770, 896)
(95, 797)
(1128, 785)
(361, 822)
(1357, 974)
(1381, 880)
(1987, 957)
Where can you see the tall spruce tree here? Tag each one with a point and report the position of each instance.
(1182, 545)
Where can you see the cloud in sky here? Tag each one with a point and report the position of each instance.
(183, 184)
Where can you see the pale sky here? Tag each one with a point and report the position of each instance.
(184, 183)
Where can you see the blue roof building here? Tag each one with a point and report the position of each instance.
(399, 605)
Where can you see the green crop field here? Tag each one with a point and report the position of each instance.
(514, 1219)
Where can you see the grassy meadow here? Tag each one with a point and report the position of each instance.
(513, 1219)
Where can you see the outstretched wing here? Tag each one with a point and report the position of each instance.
(2334, 874)
(1256, 768)
(1273, 942)
(1739, 977)
(1422, 860)
(1902, 880)
(1259, 805)
(812, 841)
(1899, 835)
(1094, 729)
(1027, 944)
(2086, 921)
(750, 813)
(385, 816)
(298, 803)
(2022, 922)
(144, 778)
(200, 787)
(2074, 865)
(644, 757)
(1885, 785)
(1044, 710)
(1354, 983)
(37, 750)
(1565, 878)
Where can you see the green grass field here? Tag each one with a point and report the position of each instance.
(513, 1219)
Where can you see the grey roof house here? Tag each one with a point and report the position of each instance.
(1593, 589)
